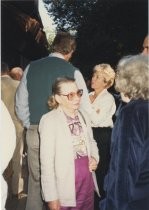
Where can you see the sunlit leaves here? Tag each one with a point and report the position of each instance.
(69, 14)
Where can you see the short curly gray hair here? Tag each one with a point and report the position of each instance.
(132, 78)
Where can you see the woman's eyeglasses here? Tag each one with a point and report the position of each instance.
(72, 95)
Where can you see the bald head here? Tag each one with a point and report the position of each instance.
(146, 46)
(16, 73)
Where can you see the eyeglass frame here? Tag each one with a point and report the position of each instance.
(70, 97)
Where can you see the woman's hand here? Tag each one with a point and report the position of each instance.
(54, 205)
(92, 164)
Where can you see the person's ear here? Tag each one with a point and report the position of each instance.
(58, 99)
(68, 56)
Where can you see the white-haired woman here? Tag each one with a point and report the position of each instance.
(103, 109)
(68, 154)
(127, 182)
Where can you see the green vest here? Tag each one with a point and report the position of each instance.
(40, 77)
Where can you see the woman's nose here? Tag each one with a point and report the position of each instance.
(93, 79)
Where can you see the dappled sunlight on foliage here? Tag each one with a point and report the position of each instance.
(106, 30)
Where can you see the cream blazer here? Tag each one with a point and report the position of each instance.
(8, 91)
(56, 156)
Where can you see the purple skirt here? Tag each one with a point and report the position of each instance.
(84, 186)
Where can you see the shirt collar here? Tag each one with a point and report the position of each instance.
(5, 75)
(56, 54)
(101, 93)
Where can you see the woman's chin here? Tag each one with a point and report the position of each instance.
(92, 87)
(76, 106)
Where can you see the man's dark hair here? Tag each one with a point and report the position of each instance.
(4, 67)
(64, 43)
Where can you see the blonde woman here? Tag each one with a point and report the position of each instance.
(68, 154)
(127, 181)
(103, 109)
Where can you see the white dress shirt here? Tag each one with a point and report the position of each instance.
(103, 108)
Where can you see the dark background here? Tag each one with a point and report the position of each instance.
(106, 29)
(22, 35)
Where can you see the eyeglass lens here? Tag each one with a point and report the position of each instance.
(79, 93)
(71, 95)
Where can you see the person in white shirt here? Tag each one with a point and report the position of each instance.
(103, 109)
(7, 147)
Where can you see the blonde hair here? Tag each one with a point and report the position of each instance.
(56, 90)
(133, 77)
(107, 72)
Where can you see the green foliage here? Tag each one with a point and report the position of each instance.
(50, 34)
(106, 29)
(69, 14)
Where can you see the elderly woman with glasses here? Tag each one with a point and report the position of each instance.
(68, 154)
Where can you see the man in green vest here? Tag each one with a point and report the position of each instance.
(31, 103)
